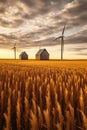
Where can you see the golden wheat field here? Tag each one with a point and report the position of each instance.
(43, 95)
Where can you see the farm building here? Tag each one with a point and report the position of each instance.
(42, 54)
(23, 56)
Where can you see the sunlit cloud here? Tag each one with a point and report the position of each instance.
(32, 23)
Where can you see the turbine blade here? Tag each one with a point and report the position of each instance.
(57, 38)
(63, 29)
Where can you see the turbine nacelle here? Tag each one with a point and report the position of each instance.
(58, 38)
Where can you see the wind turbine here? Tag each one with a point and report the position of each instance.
(14, 48)
(62, 41)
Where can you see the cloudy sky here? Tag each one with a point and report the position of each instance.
(34, 24)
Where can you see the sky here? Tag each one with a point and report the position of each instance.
(34, 24)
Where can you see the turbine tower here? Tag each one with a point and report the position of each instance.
(14, 48)
(62, 41)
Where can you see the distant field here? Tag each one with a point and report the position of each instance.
(43, 95)
(50, 63)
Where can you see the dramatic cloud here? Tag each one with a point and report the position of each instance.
(32, 23)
